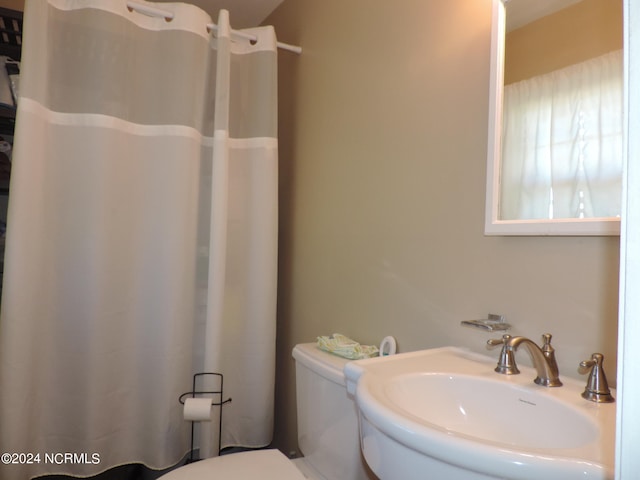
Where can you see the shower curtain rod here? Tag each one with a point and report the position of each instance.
(157, 12)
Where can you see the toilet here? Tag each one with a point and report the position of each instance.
(327, 432)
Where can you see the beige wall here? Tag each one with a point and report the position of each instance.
(383, 126)
(577, 33)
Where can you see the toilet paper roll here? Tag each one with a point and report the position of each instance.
(198, 409)
(388, 346)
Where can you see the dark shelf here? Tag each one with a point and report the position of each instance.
(11, 33)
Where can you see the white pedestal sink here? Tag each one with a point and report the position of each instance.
(445, 414)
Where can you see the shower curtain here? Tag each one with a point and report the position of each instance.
(141, 237)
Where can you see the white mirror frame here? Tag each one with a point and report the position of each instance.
(493, 224)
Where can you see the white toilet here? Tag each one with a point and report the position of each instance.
(327, 432)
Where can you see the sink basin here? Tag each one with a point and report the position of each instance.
(489, 410)
(446, 412)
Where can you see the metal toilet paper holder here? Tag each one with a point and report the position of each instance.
(217, 400)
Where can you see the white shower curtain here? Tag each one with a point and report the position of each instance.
(141, 237)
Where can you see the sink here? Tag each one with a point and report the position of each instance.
(446, 412)
(490, 410)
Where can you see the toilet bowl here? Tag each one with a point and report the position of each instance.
(327, 432)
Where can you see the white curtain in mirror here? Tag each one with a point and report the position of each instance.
(562, 143)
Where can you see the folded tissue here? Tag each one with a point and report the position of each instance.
(343, 346)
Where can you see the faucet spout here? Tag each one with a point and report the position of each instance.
(544, 359)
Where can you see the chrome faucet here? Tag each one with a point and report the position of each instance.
(544, 358)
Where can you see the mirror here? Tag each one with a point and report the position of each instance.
(555, 170)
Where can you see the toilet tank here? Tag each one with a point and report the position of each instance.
(327, 418)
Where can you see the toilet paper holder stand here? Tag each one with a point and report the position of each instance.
(217, 400)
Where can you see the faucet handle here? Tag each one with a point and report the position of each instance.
(547, 350)
(597, 389)
(507, 360)
(499, 341)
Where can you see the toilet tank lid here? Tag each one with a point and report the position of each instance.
(323, 363)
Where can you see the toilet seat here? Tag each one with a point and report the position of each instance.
(263, 464)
